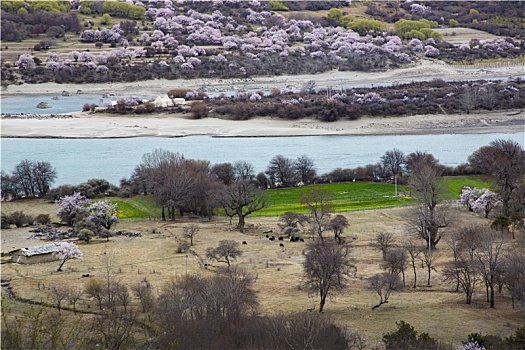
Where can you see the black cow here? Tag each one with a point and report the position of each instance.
(281, 245)
(272, 238)
(244, 242)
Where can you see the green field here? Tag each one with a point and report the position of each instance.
(347, 196)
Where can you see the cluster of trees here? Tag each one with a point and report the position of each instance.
(500, 19)
(29, 179)
(189, 312)
(89, 219)
(431, 97)
(17, 26)
(251, 38)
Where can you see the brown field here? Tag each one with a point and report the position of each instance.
(436, 310)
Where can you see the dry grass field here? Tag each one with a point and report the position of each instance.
(436, 310)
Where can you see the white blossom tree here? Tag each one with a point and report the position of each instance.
(69, 207)
(67, 251)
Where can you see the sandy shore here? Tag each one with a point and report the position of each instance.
(84, 125)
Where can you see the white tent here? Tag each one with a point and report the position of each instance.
(163, 101)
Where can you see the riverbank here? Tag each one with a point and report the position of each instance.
(96, 125)
(423, 70)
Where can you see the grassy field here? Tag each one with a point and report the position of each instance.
(437, 310)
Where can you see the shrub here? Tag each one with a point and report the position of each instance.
(43, 219)
(183, 247)
(5, 221)
(85, 235)
(19, 219)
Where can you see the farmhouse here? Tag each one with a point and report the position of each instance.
(37, 254)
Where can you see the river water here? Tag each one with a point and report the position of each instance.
(77, 160)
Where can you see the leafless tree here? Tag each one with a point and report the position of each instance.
(513, 275)
(416, 159)
(224, 172)
(305, 169)
(338, 224)
(319, 202)
(95, 288)
(383, 284)
(490, 255)
(73, 296)
(469, 98)
(281, 171)
(58, 294)
(429, 260)
(383, 242)
(464, 269)
(427, 217)
(327, 266)
(290, 223)
(393, 162)
(226, 251)
(396, 262)
(243, 170)
(190, 231)
(413, 251)
(44, 175)
(241, 199)
(144, 292)
(503, 161)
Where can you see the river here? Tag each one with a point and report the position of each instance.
(77, 160)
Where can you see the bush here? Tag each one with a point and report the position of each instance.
(183, 247)
(19, 219)
(85, 235)
(5, 221)
(43, 219)
(406, 337)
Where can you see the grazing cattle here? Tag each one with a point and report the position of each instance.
(302, 240)
(281, 238)
(271, 238)
(270, 231)
(281, 245)
(267, 236)
(85, 275)
(244, 242)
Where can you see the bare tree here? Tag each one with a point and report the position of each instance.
(224, 172)
(327, 266)
(490, 256)
(290, 222)
(469, 98)
(428, 216)
(464, 269)
(413, 250)
(144, 292)
(338, 224)
(190, 231)
(503, 161)
(396, 262)
(383, 242)
(281, 171)
(226, 251)
(428, 260)
(319, 202)
(58, 294)
(383, 284)
(243, 170)
(242, 198)
(44, 175)
(514, 275)
(305, 169)
(73, 296)
(95, 288)
(415, 159)
(393, 162)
